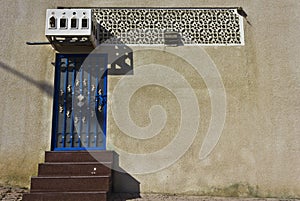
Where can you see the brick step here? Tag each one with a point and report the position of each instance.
(70, 184)
(66, 196)
(75, 169)
(79, 156)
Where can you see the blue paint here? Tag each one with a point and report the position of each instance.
(63, 125)
(87, 143)
(65, 105)
(80, 113)
(73, 97)
(96, 108)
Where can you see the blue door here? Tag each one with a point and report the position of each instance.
(79, 117)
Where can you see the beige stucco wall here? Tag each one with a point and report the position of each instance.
(258, 151)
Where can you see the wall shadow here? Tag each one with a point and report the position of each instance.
(41, 85)
(120, 62)
(120, 56)
(124, 185)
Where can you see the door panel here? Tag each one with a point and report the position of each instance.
(79, 118)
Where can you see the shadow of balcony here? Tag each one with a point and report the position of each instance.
(43, 86)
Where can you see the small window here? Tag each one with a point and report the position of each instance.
(84, 23)
(63, 23)
(74, 23)
(52, 23)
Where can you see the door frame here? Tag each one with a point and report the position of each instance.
(56, 103)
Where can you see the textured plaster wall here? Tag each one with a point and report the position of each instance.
(26, 91)
(258, 152)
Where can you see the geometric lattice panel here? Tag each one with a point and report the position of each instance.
(136, 26)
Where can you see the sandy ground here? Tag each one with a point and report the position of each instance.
(157, 197)
(195, 198)
(15, 194)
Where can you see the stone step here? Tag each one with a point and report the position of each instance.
(70, 184)
(66, 196)
(79, 156)
(75, 169)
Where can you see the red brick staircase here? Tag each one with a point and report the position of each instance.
(73, 176)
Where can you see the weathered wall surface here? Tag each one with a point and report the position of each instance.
(258, 151)
(26, 87)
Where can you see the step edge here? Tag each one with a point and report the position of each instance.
(70, 177)
(45, 175)
(41, 192)
(76, 163)
(94, 152)
(67, 192)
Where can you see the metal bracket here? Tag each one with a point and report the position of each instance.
(38, 43)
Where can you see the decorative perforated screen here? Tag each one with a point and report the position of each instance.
(147, 26)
